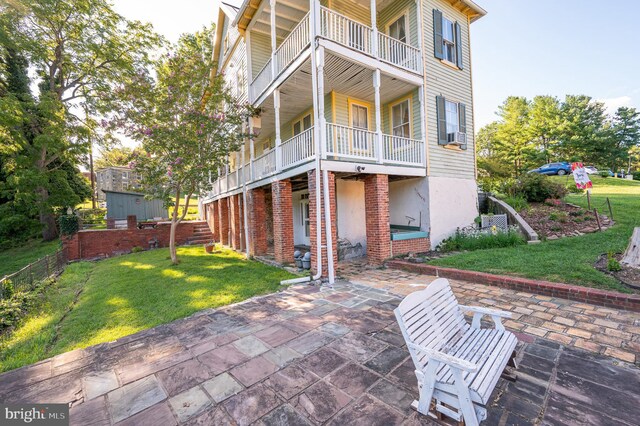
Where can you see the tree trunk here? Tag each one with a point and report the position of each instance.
(631, 256)
(172, 241)
(47, 219)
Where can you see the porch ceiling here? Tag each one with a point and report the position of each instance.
(341, 75)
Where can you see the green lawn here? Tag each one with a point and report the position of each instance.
(14, 259)
(126, 294)
(569, 260)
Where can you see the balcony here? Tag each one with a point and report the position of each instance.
(342, 143)
(344, 31)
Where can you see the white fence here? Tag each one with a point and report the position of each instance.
(398, 53)
(403, 150)
(262, 80)
(345, 31)
(264, 165)
(349, 142)
(298, 149)
(297, 40)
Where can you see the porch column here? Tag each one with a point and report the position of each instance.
(374, 26)
(223, 220)
(258, 222)
(213, 220)
(252, 148)
(276, 107)
(282, 201)
(376, 202)
(236, 236)
(320, 119)
(423, 128)
(313, 211)
(376, 88)
(272, 4)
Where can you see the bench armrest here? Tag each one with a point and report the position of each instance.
(445, 358)
(479, 312)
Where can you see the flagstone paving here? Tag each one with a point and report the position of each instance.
(309, 356)
(607, 331)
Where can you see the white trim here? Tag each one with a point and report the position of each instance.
(372, 168)
(404, 13)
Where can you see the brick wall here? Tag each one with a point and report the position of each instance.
(282, 207)
(257, 221)
(223, 220)
(110, 242)
(414, 245)
(236, 232)
(312, 221)
(376, 200)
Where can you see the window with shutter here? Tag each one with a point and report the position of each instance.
(447, 39)
(452, 123)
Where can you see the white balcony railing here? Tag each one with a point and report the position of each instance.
(298, 149)
(297, 40)
(232, 180)
(345, 31)
(349, 142)
(264, 165)
(262, 80)
(403, 150)
(398, 53)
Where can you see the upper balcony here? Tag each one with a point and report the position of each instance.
(275, 55)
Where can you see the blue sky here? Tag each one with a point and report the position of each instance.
(555, 47)
(522, 47)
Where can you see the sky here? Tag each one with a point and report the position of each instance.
(521, 47)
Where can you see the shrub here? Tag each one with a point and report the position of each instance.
(69, 224)
(518, 202)
(636, 175)
(482, 239)
(559, 216)
(604, 174)
(14, 308)
(553, 202)
(612, 263)
(537, 188)
(573, 189)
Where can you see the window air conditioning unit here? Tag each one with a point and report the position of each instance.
(457, 138)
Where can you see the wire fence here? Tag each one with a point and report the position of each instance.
(28, 277)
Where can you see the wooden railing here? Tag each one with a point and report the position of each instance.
(349, 142)
(27, 278)
(262, 81)
(264, 165)
(297, 40)
(398, 53)
(403, 150)
(345, 31)
(298, 149)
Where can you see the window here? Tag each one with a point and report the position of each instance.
(447, 39)
(453, 126)
(400, 119)
(360, 124)
(398, 29)
(452, 121)
(301, 125)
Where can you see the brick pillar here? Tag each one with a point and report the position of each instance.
(243, 240)
(236, 235)
(214, 223)
(257, 222)
(132, 221)
(312, 221)
(282, 203)
(376, 201)
(223, 220)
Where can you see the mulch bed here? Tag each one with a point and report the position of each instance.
(557, 219)
(628, 276)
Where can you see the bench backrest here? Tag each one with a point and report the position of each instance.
(431, 317)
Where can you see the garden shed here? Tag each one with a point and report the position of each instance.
(123, 204)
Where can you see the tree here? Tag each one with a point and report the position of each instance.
(114, 157)
(544, 119)
(80, 50)
(513, 136)
(187, 123)
(582, 130)
(624, 135)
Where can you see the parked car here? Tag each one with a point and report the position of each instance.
(561, 168)
(591, 170)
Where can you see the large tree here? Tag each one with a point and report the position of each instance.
(80, 50)
(187, 122)
(544, 119)
(624, 134)
(513, 136)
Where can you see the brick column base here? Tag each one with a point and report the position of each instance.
(236, 233)
(376, 201)
(223, 221)
(257, 222)
(313, 210)
(282, 203)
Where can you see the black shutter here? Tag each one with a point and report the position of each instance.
(458, 46)
(462, 122)
(442, 121)
(437, 34)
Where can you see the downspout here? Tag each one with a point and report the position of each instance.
(244, 202)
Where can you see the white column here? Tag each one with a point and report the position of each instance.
(276, 107)
(376, 89)
(274, 46)
(252, 149)
(315, 18)
(322, 122)
(249, 64)
(423, 124)
(374, 25)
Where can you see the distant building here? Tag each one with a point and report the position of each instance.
(122, 204)
(118, 179)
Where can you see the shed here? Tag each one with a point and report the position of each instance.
(122, 204)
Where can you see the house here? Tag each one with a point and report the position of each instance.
(365, 138)
(122, 204)
(118, 179)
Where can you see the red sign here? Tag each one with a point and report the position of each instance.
(580, 176)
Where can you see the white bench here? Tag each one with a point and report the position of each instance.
(458, 364)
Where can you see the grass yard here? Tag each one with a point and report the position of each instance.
(14, 259)
(96, 302)
(568, 260)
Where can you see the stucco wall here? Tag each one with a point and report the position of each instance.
(453, 204)
(409, 198)
(351, 212)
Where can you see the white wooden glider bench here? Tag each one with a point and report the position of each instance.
(458, 364)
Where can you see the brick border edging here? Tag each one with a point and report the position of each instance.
(610, 299)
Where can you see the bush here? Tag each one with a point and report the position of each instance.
(69, 224)
(537, 188)
(604, 174)
(573, 189)
(636, 175)
(482, 239)
(559, 216)
(612, 263)
(14, 308)
(518, 202)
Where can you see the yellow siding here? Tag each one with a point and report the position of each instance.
(393, 11)
(350, 9)
(260, 52)
(416, 122)
(454, 85)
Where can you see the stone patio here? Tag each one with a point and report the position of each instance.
(306, 356)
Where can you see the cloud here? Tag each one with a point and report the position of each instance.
(613, 104)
